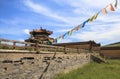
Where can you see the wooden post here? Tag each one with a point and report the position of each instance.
(78, 50)
(0, 42)
(36, 47)
(14, 45)
(90, 48)
(65, 50)
(56, 49)
(25, 46)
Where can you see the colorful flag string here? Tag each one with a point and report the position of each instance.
(111, 7)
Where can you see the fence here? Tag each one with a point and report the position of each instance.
(40, 48)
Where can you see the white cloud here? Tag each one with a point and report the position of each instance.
(62, 30)
(100, 33)
(105, 28)
(85, 7)
(81, 11)
(64, 41)
(22, 40)
(72, 12)
(10, 21)
(26, 31)
(37, 8)
(82, 3)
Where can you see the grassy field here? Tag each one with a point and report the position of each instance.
(113, 45)
(110, 70)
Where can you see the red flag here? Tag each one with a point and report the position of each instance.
(111, 7)
(63, 36)
(77, 28)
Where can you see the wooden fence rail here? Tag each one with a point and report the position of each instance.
(18, 45)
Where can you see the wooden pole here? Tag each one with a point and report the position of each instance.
(36, 47)
(65, 50)
(90, 48)
(25, 46)
(0, 42)
(78, 50)
(14, 45)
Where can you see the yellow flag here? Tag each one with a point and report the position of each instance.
(104, 11)
(70, 32)
(92, 19)
(58, 38)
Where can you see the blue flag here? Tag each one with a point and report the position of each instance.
(55, 40)
(83, 24)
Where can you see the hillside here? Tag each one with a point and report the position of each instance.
(113, 45)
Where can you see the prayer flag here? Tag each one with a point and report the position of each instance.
(111, 7)
(70, 32)
(55, 40)
(96, 15)
(83, 24)
(67, 33)
(92, 18)
(77, 28)
(63, 36)
(104, 11)
(58, 38)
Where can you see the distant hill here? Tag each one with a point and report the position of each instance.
(113, 45)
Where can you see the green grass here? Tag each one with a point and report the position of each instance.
(113, 45)
(94, 70)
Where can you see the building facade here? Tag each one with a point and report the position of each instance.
(40, 36)
(88, 45)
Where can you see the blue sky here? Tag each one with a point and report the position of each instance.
(18, 17)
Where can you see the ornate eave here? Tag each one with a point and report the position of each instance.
(41, 31)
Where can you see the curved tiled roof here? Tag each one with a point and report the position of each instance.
(41, 31)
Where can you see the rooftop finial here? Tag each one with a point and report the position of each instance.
(41, 28)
